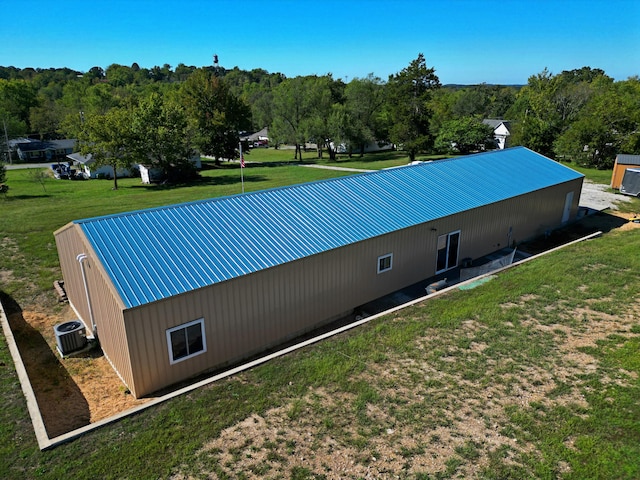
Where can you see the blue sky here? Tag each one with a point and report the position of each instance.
(467, 41)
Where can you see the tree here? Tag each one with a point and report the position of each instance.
(409, 93)
(464, 135)
(608, 124)
(160, 136)
(94, 74)
(364, 100)
(321, 96)
(291, 110)
(538, 121)
(119, 75)
(12, 127)
(473, 100)
(182, 72)
(108, 139)
(501, 100)
(99, 98)
(255, 88)
(3, 173)
(16, 99)
(216, 114)
(46, 119)
(548, 105)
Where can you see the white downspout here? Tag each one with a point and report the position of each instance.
(81, 258)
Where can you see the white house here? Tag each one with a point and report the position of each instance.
(501, 131)
(85, 165)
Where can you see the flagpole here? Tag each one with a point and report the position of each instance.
(241, 167)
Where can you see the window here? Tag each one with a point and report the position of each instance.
(385, 262)
(448, 246)
(185, 341)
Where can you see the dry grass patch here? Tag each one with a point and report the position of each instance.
(421, 419)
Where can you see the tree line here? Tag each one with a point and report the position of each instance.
(163, 114)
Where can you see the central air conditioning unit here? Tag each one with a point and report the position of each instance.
(70, 336)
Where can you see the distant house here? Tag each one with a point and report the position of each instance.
(620, 165)
(148, 173)
(85, 164)
(369, 147)
(30, 150)
(501, 131)
(258, 139)
(176, 291)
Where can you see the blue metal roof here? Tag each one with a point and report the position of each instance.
(157, 253)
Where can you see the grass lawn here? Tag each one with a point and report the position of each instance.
(596, 176)
(535, 374)
(370, 161)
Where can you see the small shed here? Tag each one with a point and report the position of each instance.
(177, 291)
(622, 162)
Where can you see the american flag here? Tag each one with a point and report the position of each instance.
(242, 161)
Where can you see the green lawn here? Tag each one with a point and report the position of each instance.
(535, 374)
(596, 176)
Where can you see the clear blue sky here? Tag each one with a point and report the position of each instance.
(467, 41)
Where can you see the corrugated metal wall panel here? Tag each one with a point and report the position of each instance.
(107, 309)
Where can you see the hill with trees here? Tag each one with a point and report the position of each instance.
(580, 115)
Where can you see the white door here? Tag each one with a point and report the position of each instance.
(567, 207)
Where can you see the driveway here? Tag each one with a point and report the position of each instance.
(598, 197)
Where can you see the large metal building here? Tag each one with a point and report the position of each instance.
(176, 291)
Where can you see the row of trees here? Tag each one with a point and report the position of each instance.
(161, 114)
(164, 129)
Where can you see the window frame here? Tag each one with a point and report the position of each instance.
(185, 327)
(449, 254)
(383, 257)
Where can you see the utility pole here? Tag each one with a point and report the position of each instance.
(6, 139)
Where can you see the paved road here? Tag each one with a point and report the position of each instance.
(17, 166)
(344, 169)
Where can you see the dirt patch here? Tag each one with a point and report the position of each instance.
(425, 420)
(71, 392)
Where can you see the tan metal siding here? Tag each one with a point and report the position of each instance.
(107, 309)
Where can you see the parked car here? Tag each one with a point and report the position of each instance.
(61, 170)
